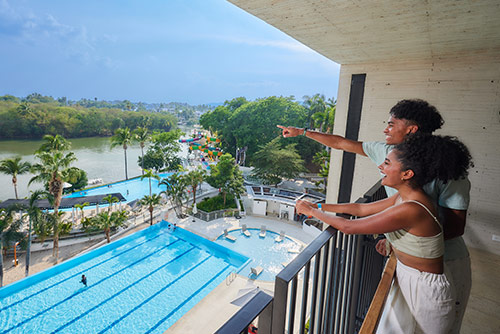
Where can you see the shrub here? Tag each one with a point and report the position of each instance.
(216, 203)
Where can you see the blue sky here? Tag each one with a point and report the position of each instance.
(194, 51)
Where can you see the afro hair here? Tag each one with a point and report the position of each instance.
(420, 113)
(434, 157)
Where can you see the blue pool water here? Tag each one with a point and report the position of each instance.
(264, 252)
(130, 189)
(142, 283)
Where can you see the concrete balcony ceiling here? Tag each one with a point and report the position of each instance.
(365, 31)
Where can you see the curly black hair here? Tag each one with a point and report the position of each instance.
(420, 113)
(434, 157)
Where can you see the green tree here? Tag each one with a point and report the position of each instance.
(316, 105)
(322, 159)
(162, 154)
(14, 167)
(149, 174)
(273, 163)
(110, 199)
(53, 170)
(176, 190)
(141, 135)
(9, 232)
(226, 176)
(106, 221)
(54, 143)
(81, 207)
(77, 178)
(150, 202)
(123, 138)
(194, 178)
(35, 215)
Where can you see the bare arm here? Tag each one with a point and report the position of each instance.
(330, 140)
(357, 209)
(391, 219)
(453, 222)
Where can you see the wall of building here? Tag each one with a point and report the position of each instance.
(466, 90)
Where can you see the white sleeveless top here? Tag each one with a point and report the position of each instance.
(424, 247)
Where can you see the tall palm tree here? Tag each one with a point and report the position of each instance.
(314, 104)
(53, 169)
(106, 221)
(123, 138)
(150, 174)
(176, 190)
(110, 199)
(14, 167)
(141, 135)
(194, 178)
(150, 202)
(35, 216)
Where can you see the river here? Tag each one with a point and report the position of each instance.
(95, 156)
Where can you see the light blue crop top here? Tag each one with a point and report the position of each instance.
(424, 247)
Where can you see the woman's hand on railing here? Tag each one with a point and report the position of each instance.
(382, 248)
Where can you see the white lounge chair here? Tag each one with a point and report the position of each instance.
(244, 230)
(229, 237)
(256, 271)
(280, 237)
(262, 231)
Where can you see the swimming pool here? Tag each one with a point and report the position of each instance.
(130, 189)
(264, 252)
(142, 283)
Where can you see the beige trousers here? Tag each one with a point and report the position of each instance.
(418, 302)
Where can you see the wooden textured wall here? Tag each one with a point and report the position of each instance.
(466, 90)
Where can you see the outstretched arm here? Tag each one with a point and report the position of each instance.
(355, 209)
(330, 140)
(390, 219)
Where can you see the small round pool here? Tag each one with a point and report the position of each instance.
(265, 252)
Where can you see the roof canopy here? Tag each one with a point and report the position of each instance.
(366, 31)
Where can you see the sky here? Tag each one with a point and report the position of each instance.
(193, 51)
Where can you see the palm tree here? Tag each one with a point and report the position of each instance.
(9, 231)
(106, 221)
(14, 167)
(176, 190)
(81, 207)
(35, 216)
(150, 202)
(122, 137)
(149, 174)
(141, 135)
(53, 170)
(110, 199)
(314, 104)
(194, 178)
(54, 143)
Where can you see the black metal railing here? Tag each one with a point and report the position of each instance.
(327, 288)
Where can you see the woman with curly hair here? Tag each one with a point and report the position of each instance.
(421, 299)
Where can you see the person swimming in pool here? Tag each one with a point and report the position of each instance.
(84, 280)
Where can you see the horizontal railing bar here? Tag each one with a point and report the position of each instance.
(244, 317)
(294, 267)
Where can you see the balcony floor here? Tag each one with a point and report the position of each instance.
(483, 308)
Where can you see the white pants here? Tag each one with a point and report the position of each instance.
(418, 302)
(460, 278)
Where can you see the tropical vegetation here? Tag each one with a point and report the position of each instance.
(9, 232)
(274, 162)
(240, 123)
(36, 115)
(162, 153)
(53, 169)
(14, 167)
(226, 176)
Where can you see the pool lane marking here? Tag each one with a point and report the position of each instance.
(154, 295)
(86, 289)
(123, 290)
(80, 272)
(187, 300)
